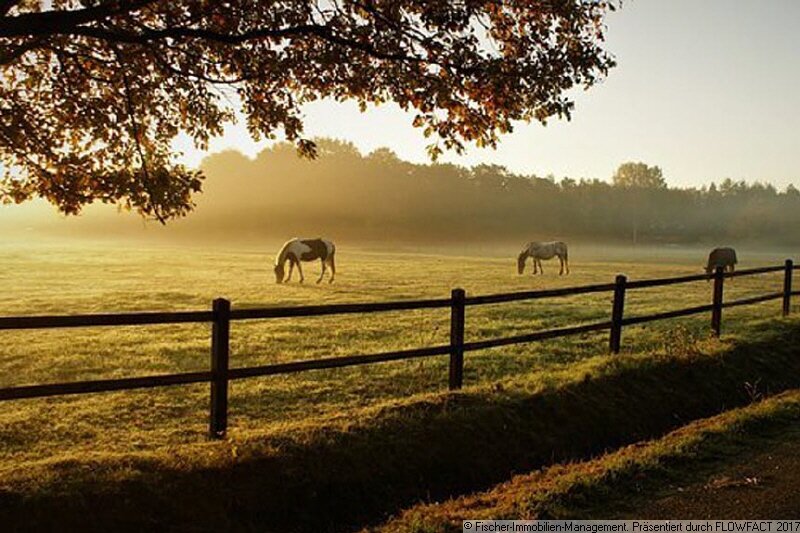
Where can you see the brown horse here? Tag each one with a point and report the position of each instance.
(721, 257)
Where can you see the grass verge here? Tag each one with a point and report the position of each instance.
(591, 489)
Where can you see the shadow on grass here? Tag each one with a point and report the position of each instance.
(342, 478)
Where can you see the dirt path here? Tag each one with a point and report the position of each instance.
(764, 484)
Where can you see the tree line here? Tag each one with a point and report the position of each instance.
(379, 196)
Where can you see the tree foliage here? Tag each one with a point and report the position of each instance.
(639, 176)
(641, 183)
(92, 92)
(379, 197)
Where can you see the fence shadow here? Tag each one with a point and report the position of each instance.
(340, 480)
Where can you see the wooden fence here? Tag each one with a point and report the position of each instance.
(220, 373)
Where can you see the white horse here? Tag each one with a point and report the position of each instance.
(297, 250)
(543, 250)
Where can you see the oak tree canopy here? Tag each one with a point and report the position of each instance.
(93, 92)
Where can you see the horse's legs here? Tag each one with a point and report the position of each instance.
(561, 262)
(291, 269)
(333, 269)
(534, 266)
(541, 268)
(300, 271)
(321, 274)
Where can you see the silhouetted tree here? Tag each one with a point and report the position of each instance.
(639, 176)
(93, 92)
(639, 180)
(348, 196)
(382, 196)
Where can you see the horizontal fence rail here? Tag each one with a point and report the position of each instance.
(753, 300)
(337, 309)
(536, 295)
(751, 271)
(335, 362)
(667, 314)
(220, 373)
(103, 385)
(538, 336)
(81, 321)
(647, 283)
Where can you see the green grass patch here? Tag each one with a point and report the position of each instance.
(353, 469)
(588, 489)
(84, 278)
(347, 447)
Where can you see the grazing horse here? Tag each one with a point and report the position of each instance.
(297, 250)
(721, 257)
(543, 250)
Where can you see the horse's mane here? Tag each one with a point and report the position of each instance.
(281, 257)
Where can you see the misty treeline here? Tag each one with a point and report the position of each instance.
(344, 194)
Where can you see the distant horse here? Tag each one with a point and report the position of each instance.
(543, 250)
(721, 257)
(297, 250)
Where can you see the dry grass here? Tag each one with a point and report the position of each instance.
(56, 279)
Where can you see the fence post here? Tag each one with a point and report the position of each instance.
(220, 352)
(617, 311)
(457, 338)
(716, 309)
(787, 287)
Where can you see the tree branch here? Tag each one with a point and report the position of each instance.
(11, 54)
(137, 134)
(60, 22)
(48, 24)
(6, 5)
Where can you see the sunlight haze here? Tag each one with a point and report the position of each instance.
(599, 319)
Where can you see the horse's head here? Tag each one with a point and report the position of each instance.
(521, 261)
(279, 273)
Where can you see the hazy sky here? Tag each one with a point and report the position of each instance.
(706, 89)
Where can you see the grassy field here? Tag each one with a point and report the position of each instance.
(87, 278)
